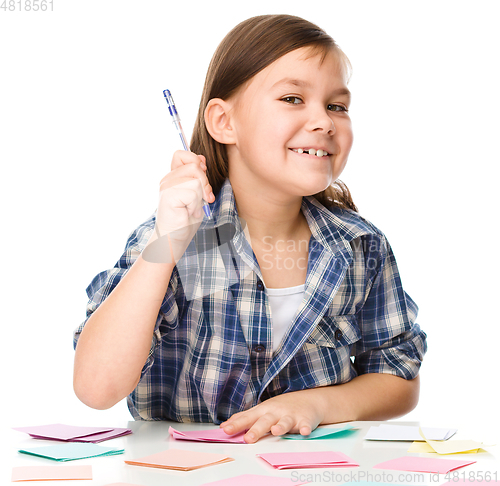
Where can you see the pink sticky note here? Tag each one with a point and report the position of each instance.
(51, 473)
(180, 460)
(61, 431)
(209, 435)
(295, 460)
(423, 464)
(253, 479)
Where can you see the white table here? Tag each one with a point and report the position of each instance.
(151, 437)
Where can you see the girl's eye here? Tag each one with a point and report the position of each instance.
(293, 100)
(333, 107)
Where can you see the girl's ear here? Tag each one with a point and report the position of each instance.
(218, 122)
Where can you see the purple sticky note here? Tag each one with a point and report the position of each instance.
(61, 432)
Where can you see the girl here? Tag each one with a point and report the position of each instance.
(250, 319)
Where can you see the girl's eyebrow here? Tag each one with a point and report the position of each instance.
(300, 83)
(294, 82)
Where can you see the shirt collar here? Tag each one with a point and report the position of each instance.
(334, 228)
(223, 210)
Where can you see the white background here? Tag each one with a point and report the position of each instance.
(86, 137)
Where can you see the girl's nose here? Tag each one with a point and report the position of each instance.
(322, 124)
(321, 121)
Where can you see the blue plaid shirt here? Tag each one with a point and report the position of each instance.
(212, 352)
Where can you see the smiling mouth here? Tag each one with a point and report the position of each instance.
(311, 151)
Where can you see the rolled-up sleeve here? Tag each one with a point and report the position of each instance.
(391, 340)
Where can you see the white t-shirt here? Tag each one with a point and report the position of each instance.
(284, 305)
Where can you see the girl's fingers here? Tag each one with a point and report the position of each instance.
(185, 170)
(187, 194)
(256, 425)
(182, 191)
(185, 173)
(260, 428)
(284, 425)
(304, 428)
(181, 157)
(290, 412)
(203, 162)
(239, 422)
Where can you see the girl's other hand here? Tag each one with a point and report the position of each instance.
(297, 412)
(180, 206)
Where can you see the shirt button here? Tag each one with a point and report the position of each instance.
(338, 334)
(260, 285)
(259, 348)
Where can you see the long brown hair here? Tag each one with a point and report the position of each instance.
(248, 48)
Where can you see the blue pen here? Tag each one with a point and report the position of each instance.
(177, 122)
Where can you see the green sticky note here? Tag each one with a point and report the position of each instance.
(321, 433)
(72, 451)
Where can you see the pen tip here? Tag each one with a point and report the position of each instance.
(166, 93)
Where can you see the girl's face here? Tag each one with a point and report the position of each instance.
(292, 129)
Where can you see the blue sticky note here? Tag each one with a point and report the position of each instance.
(71, 451)
(320, 433)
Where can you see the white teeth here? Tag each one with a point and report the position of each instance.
(311, 151)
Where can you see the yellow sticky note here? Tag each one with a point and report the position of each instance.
(424, 447)
(451, 446)
(421, 448)
(454, 446)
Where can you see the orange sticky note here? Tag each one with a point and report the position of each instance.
(180, 460)
(50, 473)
